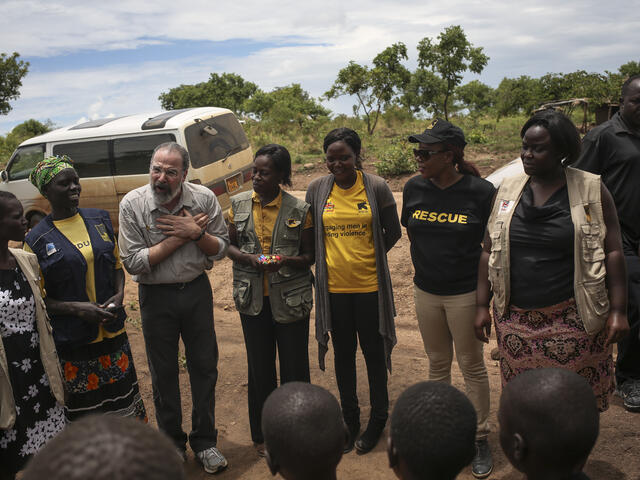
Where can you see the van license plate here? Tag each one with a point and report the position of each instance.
(233, 183)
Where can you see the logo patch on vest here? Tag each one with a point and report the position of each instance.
(51, 249)
(292, 222)
(103, 232)
(506, 205)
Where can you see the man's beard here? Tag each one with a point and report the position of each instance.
(162, 198)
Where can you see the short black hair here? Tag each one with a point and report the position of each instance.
(627, 84)
(556, 413)
(348, 136)
(433, 430)
(105, 447)
(5, 197)
(281, 160)
(564, 134)
(303, 429)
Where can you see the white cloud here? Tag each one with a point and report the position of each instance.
(519, 38)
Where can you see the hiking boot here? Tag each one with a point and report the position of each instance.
(482, 463)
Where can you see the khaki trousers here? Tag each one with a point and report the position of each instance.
(446, 321)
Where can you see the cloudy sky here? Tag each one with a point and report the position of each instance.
(115, 57)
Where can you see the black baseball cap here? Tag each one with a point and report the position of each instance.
(440, 131)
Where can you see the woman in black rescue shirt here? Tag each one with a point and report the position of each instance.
(445, 211)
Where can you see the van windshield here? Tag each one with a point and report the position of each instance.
(23, 161)
(205, 148)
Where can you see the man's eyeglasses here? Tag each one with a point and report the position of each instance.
(424, 155)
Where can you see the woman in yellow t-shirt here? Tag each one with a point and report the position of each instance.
(356, 224)
(84, 283)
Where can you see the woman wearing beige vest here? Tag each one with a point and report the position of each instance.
(31, 386)
(272, 249)
(553, 260)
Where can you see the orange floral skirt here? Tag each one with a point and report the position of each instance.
(101, 378)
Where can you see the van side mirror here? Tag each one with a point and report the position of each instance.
(4, 175)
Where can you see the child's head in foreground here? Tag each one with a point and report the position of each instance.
(432, 434)
(104, 447)
(548, 422)
(304, 433)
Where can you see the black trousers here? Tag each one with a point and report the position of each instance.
(262, 337)
(628, 360)
(354, 316)
(168, 313)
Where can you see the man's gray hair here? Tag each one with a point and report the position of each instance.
(174, 147)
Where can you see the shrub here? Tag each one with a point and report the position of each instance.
(395, 158)
(477, 137)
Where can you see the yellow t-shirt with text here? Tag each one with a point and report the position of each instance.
(76, 232)
(348, 240)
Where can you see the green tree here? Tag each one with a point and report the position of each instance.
(376, 87)
(19, 134)
(450, 58)
(517, 95)
(629, 69)
(11, 72)
(228, 90)
(425, 91)
(284, 105)
(476, 96)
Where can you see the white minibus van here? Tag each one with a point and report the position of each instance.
(112, 157)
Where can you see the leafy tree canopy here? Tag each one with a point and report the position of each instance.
(284, 105)
(11, 72)
(376, 87)
(228, 90)
(476, 96)
(449, 58)
(19, 134)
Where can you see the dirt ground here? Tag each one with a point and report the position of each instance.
(616, 455)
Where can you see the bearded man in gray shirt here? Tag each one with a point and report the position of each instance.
(171, 231)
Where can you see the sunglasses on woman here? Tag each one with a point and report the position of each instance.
(424, 155)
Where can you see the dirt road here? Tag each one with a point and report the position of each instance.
(616, 455)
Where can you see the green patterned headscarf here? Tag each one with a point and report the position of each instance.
(48, 168)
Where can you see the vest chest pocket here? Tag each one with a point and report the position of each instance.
(245, 240)
(592, 250)
(241, 293)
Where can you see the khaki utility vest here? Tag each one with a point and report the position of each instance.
(28, 263)
(290, 291)
(589, 285)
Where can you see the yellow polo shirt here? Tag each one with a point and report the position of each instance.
(264, 221)
(348, 240)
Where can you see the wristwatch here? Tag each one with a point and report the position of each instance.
(204, 230)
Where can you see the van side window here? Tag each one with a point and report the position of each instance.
(205, 148)
(90, 159)
(132, 155)
(24, 160)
